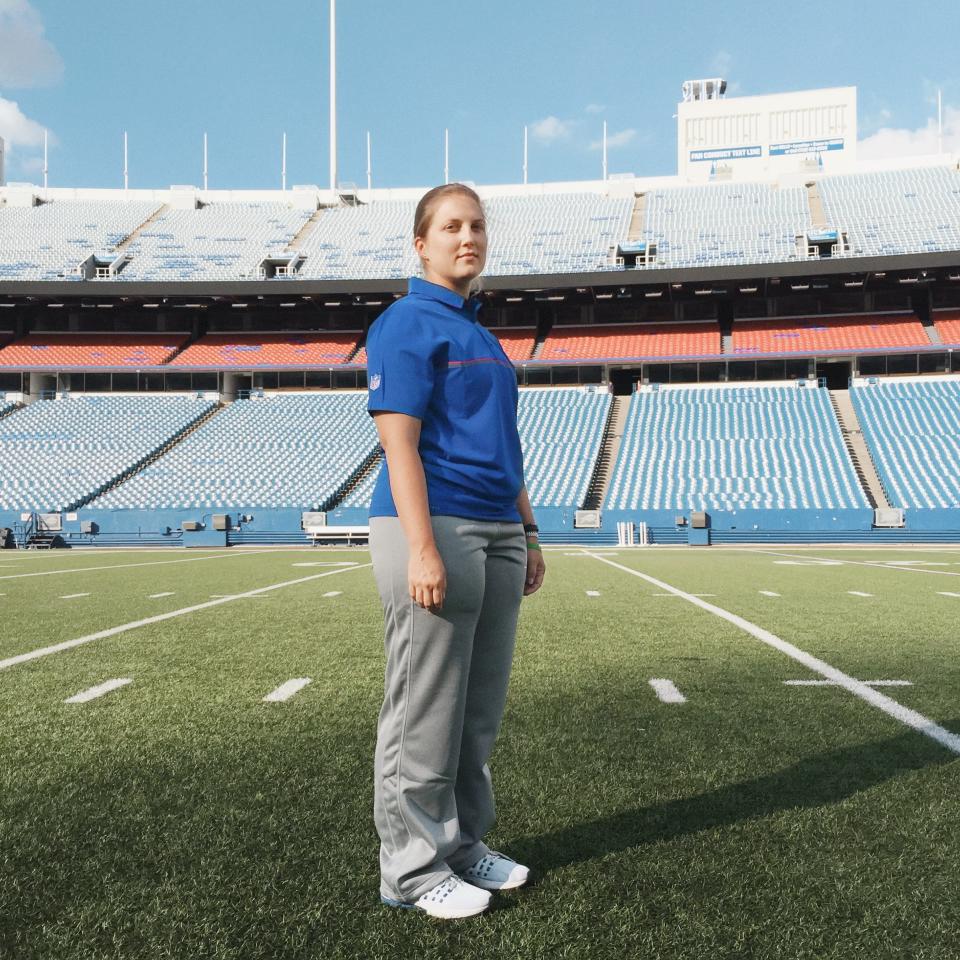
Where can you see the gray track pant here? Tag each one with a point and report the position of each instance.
(444, 694)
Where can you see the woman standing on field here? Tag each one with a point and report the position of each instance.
(454, 547)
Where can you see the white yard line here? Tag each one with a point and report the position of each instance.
(769, 593)
(333, 593)
(125, 566)
(947, 593)
(859, 593)
(832, 562)
(156, 596)
(74, 596)
(859, 689)
(159, 618)
(833, 683)
(98, 691)
(286, 690)
(593, 593)
(667, 692)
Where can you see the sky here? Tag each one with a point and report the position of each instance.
(245, 72)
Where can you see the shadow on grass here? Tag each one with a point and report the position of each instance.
(813, 782)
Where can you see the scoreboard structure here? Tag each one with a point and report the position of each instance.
(764, 137)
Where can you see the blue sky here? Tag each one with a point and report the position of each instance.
(245, 72)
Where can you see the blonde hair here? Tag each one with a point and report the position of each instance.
(427, 206)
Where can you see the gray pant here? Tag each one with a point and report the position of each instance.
(444, 694)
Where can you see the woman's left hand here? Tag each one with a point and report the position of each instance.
(536, 568)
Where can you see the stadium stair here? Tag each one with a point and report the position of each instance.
(857, 448)
(177, 438)
(13, 409)
(609, 448)
(130, 237)
(368, 466)
(297, 242)
(818, 216)
(638, 219)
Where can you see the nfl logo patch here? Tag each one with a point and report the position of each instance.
(375, 381)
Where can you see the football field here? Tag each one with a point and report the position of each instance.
(714, 753)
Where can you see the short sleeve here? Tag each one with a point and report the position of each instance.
(400, 368)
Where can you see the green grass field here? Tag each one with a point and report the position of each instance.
(181, 816)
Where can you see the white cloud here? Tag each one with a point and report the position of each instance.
(17, 128)
(594, 108)
(27, 58)
(900, 142)
(617, 139)
(550, 129)
(721, 63)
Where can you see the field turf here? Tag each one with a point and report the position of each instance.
(181, 816)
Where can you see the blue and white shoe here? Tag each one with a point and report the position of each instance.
(494, 871)
(452, 899)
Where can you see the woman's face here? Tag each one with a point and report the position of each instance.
(454, 248)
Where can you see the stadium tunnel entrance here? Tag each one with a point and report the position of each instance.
(837, 373)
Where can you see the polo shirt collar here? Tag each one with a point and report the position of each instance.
(435, 291)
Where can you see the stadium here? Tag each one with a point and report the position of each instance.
(759, 356)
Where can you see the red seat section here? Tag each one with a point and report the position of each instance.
(92, 349)
(947, 324)
(268, 350)
(517, 344)
(621, 342)
(828, 334)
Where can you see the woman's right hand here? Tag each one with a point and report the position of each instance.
(427, 579)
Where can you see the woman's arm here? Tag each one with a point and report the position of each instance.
(535, 565)
(400, 439)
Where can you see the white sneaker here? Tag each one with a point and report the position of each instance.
(451, 899)
(494, 871)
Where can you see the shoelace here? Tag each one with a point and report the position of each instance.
(444, 889)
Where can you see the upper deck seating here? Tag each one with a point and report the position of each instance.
(895, 211)
(56, 453)
(733, 448)
(270, 350)
(723, 223)
(49, 241)
(91, 350)
(846, 334)
(633, 342)
(219, 241)
(913, 433)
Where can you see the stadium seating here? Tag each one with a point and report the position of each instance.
(219, 241)
(558, 233)
(91, 350)
(913, 432)
(732, 448)
(561, 430)
(272, 350)
(947, 324)
(724, 223)
(49, 241)
(634, 342)
(895, 211)
(57, 453)
(828, 334)
(280, 451)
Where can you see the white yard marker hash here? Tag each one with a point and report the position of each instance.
(98, 691)
(666, 690)
(286, 690)
(834, 683)
(858, 688)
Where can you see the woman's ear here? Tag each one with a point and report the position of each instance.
(418, 245)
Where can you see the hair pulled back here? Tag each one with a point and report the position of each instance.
(431, 200)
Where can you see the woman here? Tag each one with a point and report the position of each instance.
(454, 547)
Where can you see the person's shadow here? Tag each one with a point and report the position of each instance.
(813, 782)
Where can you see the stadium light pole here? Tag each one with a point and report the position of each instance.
(604, 149)
(369, 164)
(524, 153)
(333, 94)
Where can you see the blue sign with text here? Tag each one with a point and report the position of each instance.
(805, 146)
(726, 153)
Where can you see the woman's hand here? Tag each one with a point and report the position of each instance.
(536, 568)
(427, 578)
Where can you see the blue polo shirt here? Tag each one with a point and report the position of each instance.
(428, 356)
